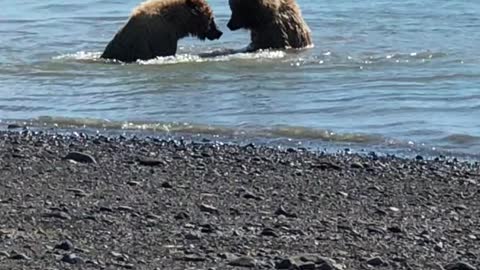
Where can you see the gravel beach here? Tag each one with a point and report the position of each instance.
(97, 202)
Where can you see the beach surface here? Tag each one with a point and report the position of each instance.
(83, 201)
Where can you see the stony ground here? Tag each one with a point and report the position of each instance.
(79, 202)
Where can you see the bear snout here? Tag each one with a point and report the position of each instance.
(214, 34)
(233, 26)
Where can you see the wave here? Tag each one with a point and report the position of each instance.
(218, 55)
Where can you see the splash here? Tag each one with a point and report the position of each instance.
(219, 55)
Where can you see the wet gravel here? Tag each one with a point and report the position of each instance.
(97, 202)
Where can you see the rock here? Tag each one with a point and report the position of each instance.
(245, 261)
(193, 258)
(77, 192)
(356, 165)
(394, 229)
(193, 236)
(394, 209)
(150, 162)
(13, 126)
(166, 185)
(18, 256)
(269, 232)
(134, 183)
(65, 245)
(125, 208)
(4, 254)
(227, 256)
(305, 262)
(181, 215)
(71, 259)
(59, 215)
(376, 261)
(251, 196)
(282, 212)
(459, 266)
(208, 208)
(80, 157)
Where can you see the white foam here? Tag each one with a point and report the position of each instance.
(222, 55)
(81, 55)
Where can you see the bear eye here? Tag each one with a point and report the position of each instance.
(195, 11)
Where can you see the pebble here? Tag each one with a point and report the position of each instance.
(65, 245)
(356, 165)
(18, 256)
(71, 259)
(78, 192)
(193, 258)
(59, 215)
(150, 162)
(305, 262)
(13, 126)
(166, 185)
(394, 229)
(80, 157)
(181, 216)
(193, 236)
(376, 261)
(459, 266)
(250, 195)
(269, 232)
(282, 212)
(245, 261)
(208, 208)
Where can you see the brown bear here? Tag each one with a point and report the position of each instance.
(155, 27)
(273, 24)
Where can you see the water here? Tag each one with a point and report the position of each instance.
(402, 74)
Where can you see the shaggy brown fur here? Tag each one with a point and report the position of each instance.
(155, 27)
(274, 24)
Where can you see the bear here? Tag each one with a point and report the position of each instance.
(155, 26)
(273, 24)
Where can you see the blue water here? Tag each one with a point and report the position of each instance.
(393, 73)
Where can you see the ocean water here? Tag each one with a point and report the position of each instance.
(393, 74)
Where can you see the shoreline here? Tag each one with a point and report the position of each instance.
(214, 134)
(150, 203)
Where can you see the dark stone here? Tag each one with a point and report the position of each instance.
(59, 215)
(150, 162)
(459, 266)
(166, 185)
(377, 261)
(13, 126)
(251, 196)
(283, 212)
(65, 245)
(181, 216)
(305, 262)
(71, 259)
(394, 229)
(356, 165)
(80, 157)
(193, 258)
(246, 261)
(269, 232)
(192, 236)
(18, 256)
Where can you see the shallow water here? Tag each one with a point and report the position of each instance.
(403, 74)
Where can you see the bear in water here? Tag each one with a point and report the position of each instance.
(155, 27)
(273, 24)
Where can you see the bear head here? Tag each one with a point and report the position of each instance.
(202, 20)
(251, 14)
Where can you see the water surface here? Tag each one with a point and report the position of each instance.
(400, 74)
